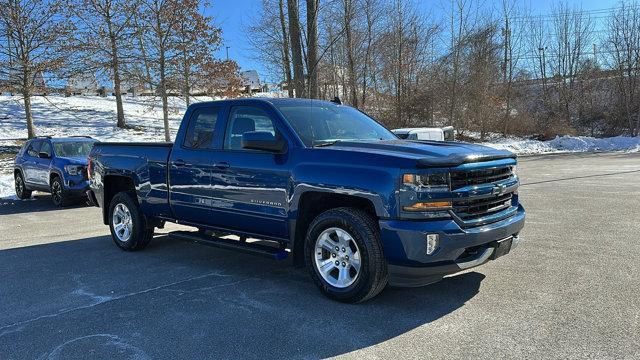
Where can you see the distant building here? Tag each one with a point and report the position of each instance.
(13, 83)
(83, 84)
(250, 81)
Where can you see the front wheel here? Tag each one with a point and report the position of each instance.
(127, 224)
(21, 189)
(344, 255)
(57, 192)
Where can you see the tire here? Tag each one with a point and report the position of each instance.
(127, 224)
(360, 282)
(57, 192)
(21, 188)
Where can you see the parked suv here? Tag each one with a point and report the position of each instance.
(54, 165)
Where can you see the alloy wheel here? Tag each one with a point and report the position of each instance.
(337, 257)
(19, 186)
(56, 192)
(122, 222)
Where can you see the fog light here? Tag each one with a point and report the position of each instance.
(432, 243)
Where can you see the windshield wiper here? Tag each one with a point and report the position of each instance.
(326, 143)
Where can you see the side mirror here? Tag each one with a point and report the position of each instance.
(44, 155)
(449, 134)
(263, 140)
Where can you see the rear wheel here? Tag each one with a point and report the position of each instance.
(128, 226)
(344, 255)
(21, 188)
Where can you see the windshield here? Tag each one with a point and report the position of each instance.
(324, 124)
(73, 148)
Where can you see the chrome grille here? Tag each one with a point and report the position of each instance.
(474, 208)
(471, 209)
(479, 176)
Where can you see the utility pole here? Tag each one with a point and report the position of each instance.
(506, 32)
(227, 47)
(543, 69)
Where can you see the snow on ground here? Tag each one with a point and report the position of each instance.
(6, 187)
(82, 115)
(90, 115)
(568, 144)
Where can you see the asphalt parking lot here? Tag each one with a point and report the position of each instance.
(571, 290)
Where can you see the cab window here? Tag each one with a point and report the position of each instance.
(200, 134)
(46, 148)
(245, 119)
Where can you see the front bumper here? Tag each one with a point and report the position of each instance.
(75, 186)
(404, 244)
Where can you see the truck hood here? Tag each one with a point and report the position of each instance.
(428, 153)
(75, 160)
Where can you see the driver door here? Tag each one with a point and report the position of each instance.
(43, 165)
(250, 186)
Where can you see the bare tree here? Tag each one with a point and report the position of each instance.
(372, 14)
(573, 30)
(624, 45)
(196, 39)
(109, 20)
(295, 37)
(348, 16)
(269, 38)
(33, 35)
(459, 14)
(512, 53)
(312, 47)
(160, 18)
(286, 62)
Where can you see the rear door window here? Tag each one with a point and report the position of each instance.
(202, 125)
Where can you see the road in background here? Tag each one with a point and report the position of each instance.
(571, 290)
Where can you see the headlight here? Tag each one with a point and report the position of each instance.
(436, 181)
(73, 169)
(514, 170)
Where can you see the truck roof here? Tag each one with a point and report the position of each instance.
(274, 101)
(66, 138)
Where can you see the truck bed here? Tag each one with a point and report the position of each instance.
(146, 163)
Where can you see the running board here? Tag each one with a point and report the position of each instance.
(248, 248)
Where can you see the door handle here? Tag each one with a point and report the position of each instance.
(222, 165)
(179, 163)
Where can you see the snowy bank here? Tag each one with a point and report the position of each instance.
(91, 115)
(568, 144)
(6, 187)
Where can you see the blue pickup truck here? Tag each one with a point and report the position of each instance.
(319, 182)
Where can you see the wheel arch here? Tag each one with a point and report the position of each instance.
(55, 174)
(114, 184)
(313, 203)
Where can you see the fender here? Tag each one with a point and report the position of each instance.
(373, 184)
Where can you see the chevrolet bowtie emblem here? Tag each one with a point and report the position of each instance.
(498, 189)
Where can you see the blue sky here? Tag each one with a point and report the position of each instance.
(233, 15)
